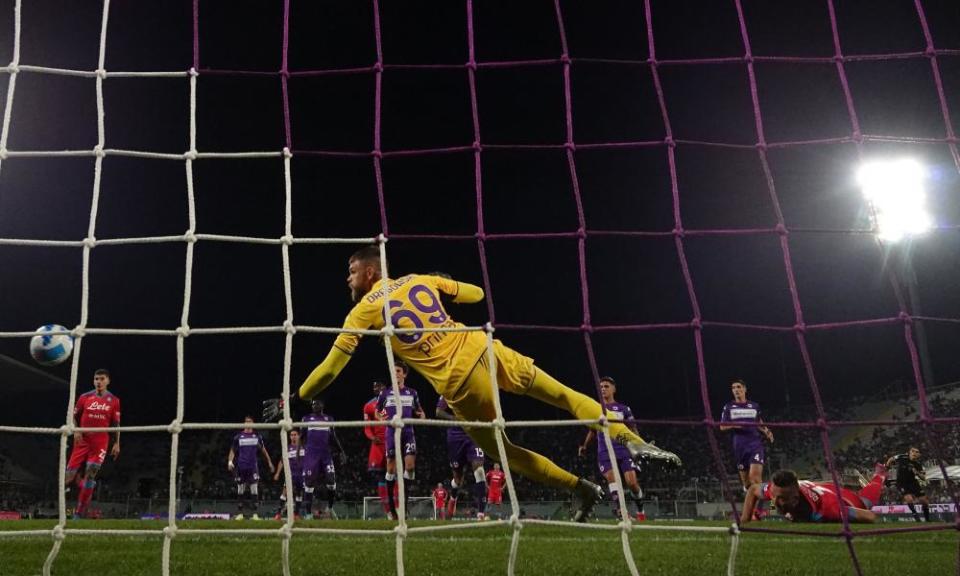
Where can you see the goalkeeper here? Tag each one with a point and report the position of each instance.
(457, 365)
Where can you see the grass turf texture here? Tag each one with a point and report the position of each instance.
(543, 551)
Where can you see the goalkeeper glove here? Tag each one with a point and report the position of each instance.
(273, 407)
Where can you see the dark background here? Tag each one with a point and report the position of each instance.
(632, 280)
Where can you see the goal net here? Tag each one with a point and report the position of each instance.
(699, 318)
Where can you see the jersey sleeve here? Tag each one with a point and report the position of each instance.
(116, 411)
(363, 316)
(725, 413)
(381, 400)
(416, 402)
(235, 444)
(462, 292)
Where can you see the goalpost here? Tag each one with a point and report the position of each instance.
(290, 328)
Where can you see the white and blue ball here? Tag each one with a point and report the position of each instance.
(49, 348)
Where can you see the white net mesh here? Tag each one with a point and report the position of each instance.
(289, 528)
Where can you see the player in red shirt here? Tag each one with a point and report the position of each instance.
(495, 480)
(440, 501)
(377, 457)
(95, 409)
(805, 501)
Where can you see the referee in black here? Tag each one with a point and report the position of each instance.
(911, 481)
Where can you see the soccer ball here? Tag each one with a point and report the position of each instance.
(49, 349)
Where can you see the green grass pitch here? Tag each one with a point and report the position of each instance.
(544, 551)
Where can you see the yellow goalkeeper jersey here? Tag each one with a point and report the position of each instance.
(413, 301)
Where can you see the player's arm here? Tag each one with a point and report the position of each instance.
(230, 456)
(445, 414)
(279, 469)
(462, 292)
(725, 417)
(750, 501)
(582, 448)
(861, 516)
(418, 409)
(115, 451)
(266, 456)
(77, 412)
(765, 431)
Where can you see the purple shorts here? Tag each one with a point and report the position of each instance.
(317, 466)
(625, 464)
(408, 443)
(747, 455)
(462, 451)
(247, 476)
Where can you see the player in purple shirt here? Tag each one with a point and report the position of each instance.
(409, 407)
(242, 461)
(628, 469)
(462, 452)
(317, 458)
(747, 442)
(295, 454)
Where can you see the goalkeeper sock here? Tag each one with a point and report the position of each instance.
(913, 510)
(391, 496)
(308, 500)
(546, 389)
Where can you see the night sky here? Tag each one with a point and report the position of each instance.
(633, 279)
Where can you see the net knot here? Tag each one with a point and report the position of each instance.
(170, 532)
(905, 318)
(66, 430)
(480, 236)
(571, 146)
(401, 531)
(381, 238)
(695, 323)
(603, 421)
(190, 155)
(286, 424)
(98, 151)
(930, 52)
(79, 332)
(284, 73)
(175, 427)
(952, 139)
(388, 331)
(396, 421)
(101, 73)
(378, 67)
(734, 530)
(499, 423)
(761, 145)
(800, 327)
(13, 68)
(286, 239)
(189, 236)
(821, 423)
(781, 229)
(515, 522)
(838, 58)
(586, 328)
(748, 58)
(193, 72)
(183, 330)
(287, 153)
(625, 525)
(288, 327)
(858, 136)
(472, 65)
(477, 146)
(678, 232)
(565, 59)
(3, 153)
(286, 531)
(57, 533)
(488, 328)
(670, 142)
(89, 242)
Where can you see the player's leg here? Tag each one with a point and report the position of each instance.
(870, 494)
(311, 478)
(479, 482)
(517, 374)
(613, 491)
(456, 484)
(632, 484)
(254, 492)
(78, 460)
(241, 496)
(86, 489)
(390, 477)
(376, 467)
(745, 479)
(331, 485)
(925, 505)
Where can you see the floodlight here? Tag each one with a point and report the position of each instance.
(894, 189)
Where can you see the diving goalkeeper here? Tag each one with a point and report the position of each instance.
(456, 364)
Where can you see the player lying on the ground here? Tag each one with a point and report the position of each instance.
(457, 365)
(806, 501)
